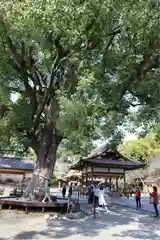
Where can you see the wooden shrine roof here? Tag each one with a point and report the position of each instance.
(73, 173)
(152, 180)
(104, 157)
(16, 165)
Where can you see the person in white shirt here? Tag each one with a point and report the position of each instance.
(102, 201)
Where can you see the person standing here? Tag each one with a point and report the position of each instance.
(90, 196)
(47, 188)
(154, 195)
(96, 194)
(138, 198)
(70, 191)
(64, 191)
(102, 201)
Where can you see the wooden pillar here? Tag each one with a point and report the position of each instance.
(92, 174)
(124, 180)
(86, 177)
(110, 182)
(117, 183)
(23, 179)
(82, 181)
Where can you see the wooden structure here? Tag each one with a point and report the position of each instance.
(72, 176)
(154, 175)
(107, 164)
(76, 176)
(10, 165)
(150, 182)
(33, 205)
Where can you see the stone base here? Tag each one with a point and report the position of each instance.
(73, 206)
(78, 215)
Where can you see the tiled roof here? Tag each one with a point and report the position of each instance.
(98, 151)
(114, 162)
(104, 152)
(127, 165)
(105, 157)
(16, 164)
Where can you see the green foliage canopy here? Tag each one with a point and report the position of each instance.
(142, 149)
(95, 59)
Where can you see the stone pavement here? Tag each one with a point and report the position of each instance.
(120, 223)
(146, 206)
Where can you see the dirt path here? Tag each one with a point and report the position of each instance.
(119, 223)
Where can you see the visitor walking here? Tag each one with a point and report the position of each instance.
(154, 195)
(102, 201)
(47, 188)
(64, 191)
(138, 198)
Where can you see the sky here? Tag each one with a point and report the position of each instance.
(14, 97)
(129, 136)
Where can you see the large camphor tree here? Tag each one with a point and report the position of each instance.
(74, 65)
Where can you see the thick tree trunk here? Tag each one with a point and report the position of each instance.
(46, 158)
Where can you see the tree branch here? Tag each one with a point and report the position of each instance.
(14, 89)
(19, 62)
(20, 65)
(46, 94)
(140, 96)
(3, 110)
(60, 56)
(134, 104)
(141, 69)
(109, 43)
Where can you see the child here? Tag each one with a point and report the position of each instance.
(154, 195)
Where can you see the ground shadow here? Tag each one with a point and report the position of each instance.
(89, 227)
(148, 228)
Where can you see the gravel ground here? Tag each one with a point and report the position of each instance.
(120, 223)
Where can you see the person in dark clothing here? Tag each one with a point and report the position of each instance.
(96, 194)
(70, 191)
(64, 191)
(90, 195)
(138, 198)
(154, 195)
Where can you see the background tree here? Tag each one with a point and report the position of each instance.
(145, 149)
(142, 149)
(77, 66)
